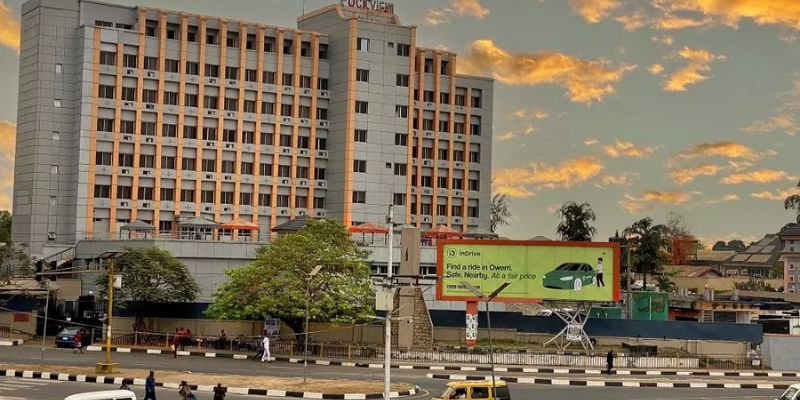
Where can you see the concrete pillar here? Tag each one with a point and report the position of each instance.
(472, 324)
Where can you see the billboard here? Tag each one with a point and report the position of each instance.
(567, 271)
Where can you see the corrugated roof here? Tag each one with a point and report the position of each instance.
(740, 257)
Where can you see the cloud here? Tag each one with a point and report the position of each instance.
(632, 22)
(666, 40)
(725, 149)
(784, 116)
(461, 8)
(593, 11)
(624, 179)
(530, 114)
(637, 205)
(627, 149)
(9, 28)
(778, 195)
(784, 13)
(724, 199)
(699, 61)
(507, 136)
(529, 129)
(524, 182)
(8, 134)
(687, 175)
(760, 176)
(585, 81)
(591, 142)
(672, 23)
(656, 69)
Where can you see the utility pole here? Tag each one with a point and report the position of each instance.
(387, 367)
(46, 311)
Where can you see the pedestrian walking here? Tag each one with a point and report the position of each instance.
(186, 392)
(265, 343)
(219, 392)
(78, 342)
(609, 361)
(150, 387)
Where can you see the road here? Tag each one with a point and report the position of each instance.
(58, 390)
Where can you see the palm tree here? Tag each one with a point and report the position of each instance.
(499, 214)
(576, 222)
(793, 203)
(648, 242)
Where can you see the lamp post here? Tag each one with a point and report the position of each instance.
(486, 300)
(387, 350)
(309, 276)
(108, 366)
(46, 311)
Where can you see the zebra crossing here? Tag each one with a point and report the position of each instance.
(10, 387)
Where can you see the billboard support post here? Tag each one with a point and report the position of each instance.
(486, 300)
(472, 324)
(573, 332)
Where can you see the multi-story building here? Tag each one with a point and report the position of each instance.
(790, 255)
(198, 127)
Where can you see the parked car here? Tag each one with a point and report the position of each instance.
(475, 390)
(791, 393)
(570, 276)
(639, 285)
(104, 395)
(68, 337)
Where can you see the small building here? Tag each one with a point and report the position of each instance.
(790, 256)
(756, 260)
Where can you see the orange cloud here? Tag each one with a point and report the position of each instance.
(436, 17)
(507, 136)
(593, 11)
(778, 195)
(666, 40)
(624, 179)
(461, 8)
(530, 114)
(9, 28)
(699, 61)
(726, 149)
(684, 176)
(585, 81)
(523, 182)
(724, 199)
(656, 69)
(632, 22)
(636, 205)
(628, 149)
(591, 142)
(784, 13)
(8, 133)
(760, 176)
(672, 23)
(783, 118)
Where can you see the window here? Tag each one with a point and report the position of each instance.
(456, 211)
(250, 42)
(287, 80)
(269, 44)
(322, 83)
(191, 34)
(151, 63)
(441, 209)
(360, 166)
(148, 128)
(472, 212)
(268, 77)
(474, 185)
(400, 169)
(458, 184)
(245, 199)
(458, 127)
(251, 75)
(265, 199)
(171, 65)
(212, 36)
(286, 110)
(476, 98)
(428, 66)
(305, 111)
(207, 196)
(190, 100)
(105, 91)
(228, 167)
(444, 98)
(399, 199)
(231, 104)
(360, 135)
(403, 49)
(209, 165)
(209, 133)
(232, 73)
(267, 108)
(173, 31)
(286, 140)
(322, 113)
(108, 58)
(427, 153)
(427, 96)
(102, 158)
(282, 200)
(102, 191)
(322, 143)
(210, 101)
(248, 137)
(266, 138)
(301, 201)
(362, 44)
(426, 181)
(145, 193)
(442, 182)
(105, 125)
(287, 46)
(444, 69)
(129, 60)
(362, 107)
(359, 197)
(474, 157)
(362, 75)
(247, 168)
(319, 173)
(187, 195)
(188, 164)
(168, 162)
(149, 96)
(150, 28)
(323, 54)
(443, 153)
(319, 202)
(125, 160)
(265, 169)
(444, 126)
(427, 124)
(475, 129)
(402, 80)
(425, 209)
(302, 142)
(192, 68)
(305, 49)
(400, 139)
(126, 126)
(212, 70)
(167, 194)
(229, 135)
(189, 132)
(401, 111)
(171, 98)
(232, 40)
(305, 82)
(57, 103)
(284, 171)
(123, 192)
(59, 68)
(128, 93)
(301, 172)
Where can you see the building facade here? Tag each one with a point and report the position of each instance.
(163, 119)
(790, 251)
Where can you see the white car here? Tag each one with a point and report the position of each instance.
(791, 393)
(104, 395)
(639, 285)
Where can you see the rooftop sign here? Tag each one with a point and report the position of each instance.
(369, 5)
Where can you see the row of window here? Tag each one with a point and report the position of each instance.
(399, 199)
(206, 196)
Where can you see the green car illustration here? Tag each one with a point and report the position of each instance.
(570, 276)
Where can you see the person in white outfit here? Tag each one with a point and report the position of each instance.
(265, 343)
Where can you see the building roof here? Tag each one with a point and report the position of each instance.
(137, 226)
(714, 256)
(198, 222)
(293, 225)
(792, 229)
(765, 253)
(692, 271)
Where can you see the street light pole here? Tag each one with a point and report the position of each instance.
(110, 309)
(309, 276)
(387, 351)
(486, 300)
(46, 311)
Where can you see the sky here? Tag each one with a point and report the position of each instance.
(638, 107)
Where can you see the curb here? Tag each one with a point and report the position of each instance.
(11, 342)
(617, 383)
(526, 370)
(200, 388)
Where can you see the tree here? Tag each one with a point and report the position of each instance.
(664, 283)
(576, 222)
(793, 203)
(150, 275)
(720, 246)
(5, 226)
(499, 214)
(736, 245)
(756, 285)
(680, 241)
(14, 261)
(649, 242)
(275, 284)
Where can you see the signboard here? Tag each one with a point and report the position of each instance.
(650, 306)
(272, 326)
(369, 5)
(567, 271)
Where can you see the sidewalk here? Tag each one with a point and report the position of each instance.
(461, 367)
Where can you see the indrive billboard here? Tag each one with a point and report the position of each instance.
(574, 271)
